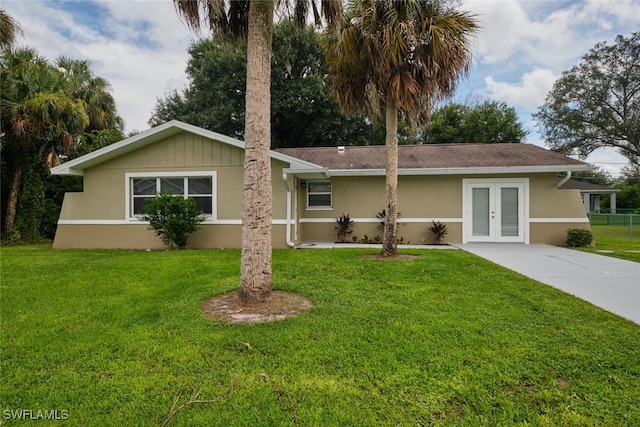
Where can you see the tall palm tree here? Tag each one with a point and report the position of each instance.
(396, 59)
(256, 19)
(38, 117)
(94, 92)
(9, 29)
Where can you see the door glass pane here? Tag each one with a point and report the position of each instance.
(509, 211)
(480, 203)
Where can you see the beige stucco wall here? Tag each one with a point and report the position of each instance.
(364, 197)
(437, 198)
(547, 201)
(103, 197)
(421, 199)
(138, 236)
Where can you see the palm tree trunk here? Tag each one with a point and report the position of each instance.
(12, 201)
(255, 265)
(390, 238)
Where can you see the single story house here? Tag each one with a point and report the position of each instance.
(482, 192)
(591, 193)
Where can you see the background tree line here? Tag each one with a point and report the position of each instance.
(303, 112)
(61, 108)
(48, 110)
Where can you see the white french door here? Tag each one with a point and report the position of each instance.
(494, 210)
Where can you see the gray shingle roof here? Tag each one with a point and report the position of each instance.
(434, 156)
(574, 184)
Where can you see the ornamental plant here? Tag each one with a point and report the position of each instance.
(344, 227)
(439, 230)
(579, 238)
(172, 218)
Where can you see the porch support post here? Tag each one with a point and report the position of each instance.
(612, 203)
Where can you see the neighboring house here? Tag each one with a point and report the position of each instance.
(591, 193)
(483, 192)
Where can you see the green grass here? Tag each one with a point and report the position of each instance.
(617, 241)
(113, 337)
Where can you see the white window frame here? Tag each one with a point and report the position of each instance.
(330, 193)
(185, 174)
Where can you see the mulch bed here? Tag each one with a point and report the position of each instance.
(379, 257)
(281, 305)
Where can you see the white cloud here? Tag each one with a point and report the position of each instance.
(139, 72)
(498, 18)
(547, 34)
(529, 92)
(524, 45)
(140, 46)
(608, 159)
(613, 14)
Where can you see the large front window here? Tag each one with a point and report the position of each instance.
(200, 187)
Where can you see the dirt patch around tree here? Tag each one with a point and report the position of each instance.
(281, 305)
(379, 257)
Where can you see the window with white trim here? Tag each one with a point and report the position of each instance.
(200, 187)
(319, 195)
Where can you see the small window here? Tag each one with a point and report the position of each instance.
(199, 188)
(319, 194)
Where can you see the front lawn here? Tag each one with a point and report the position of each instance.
(619, 241)
(115, 337)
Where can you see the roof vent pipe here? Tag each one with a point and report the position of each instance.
(341, 149)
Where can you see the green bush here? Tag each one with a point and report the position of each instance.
(172, 218)
(579, 238)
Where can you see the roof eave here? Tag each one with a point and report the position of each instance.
(77, 166)
(464, 170)
(308, 173)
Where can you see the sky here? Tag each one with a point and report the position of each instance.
(140, 47)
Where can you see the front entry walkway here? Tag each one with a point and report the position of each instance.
(609, 283)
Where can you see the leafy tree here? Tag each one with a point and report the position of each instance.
(629, 185)
(596, 103)
(595, 176)
(172, 218)
(396, 59)
(55, 186)
(631, 174)
(46, 112)
(486, 122)
(256, 17)
(302, 111)
(40, 120)
(628, 197)
(214, 100)
(94, 93)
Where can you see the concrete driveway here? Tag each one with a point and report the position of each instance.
(609, 283)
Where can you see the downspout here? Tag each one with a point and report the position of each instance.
(566, 178)
(285, 179)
